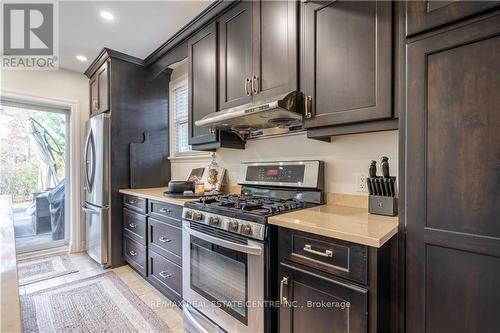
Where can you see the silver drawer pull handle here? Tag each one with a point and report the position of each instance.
(165, 274)
(132, 202)
(165, 210)
(164, 240)
(283, 300)
(133, 253)
(132, 225)
(327, 253)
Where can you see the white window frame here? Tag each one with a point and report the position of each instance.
(174, 84)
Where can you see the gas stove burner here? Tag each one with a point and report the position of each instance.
(252, 204)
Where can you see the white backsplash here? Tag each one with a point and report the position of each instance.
(344, 157)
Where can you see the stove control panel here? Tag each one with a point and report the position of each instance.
(237, 226)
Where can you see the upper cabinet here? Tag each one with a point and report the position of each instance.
(202, 80)
(257, 52)
(99, 90)
(346, 62)
(425, 15)
(235, 58)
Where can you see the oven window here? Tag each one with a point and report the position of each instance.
(220, 275)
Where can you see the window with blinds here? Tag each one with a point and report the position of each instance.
(179, 110)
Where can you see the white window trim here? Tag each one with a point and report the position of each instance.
(174, 84)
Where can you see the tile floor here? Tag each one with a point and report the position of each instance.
(171, 314)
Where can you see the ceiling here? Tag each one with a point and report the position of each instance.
(138, 28)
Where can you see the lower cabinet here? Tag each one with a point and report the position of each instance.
(315, 303)
(165, 275)
(135, 254)
(330, 285)
(152, 243)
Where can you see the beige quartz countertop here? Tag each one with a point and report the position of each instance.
(10, 319)
(341, 222)
(155, 194)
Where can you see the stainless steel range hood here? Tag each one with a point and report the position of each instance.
(281, 115)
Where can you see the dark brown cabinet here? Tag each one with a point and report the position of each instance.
(99, 90)
(320, 304)
(202, 80)
(235, 56)
(331, 285)
(453, 143)
(257, 52)
(346, 59)
(425, 15)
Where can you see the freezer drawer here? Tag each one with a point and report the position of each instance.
(97, 233)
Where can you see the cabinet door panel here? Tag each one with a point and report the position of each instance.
(103, 84)
(94, 95)
(202, 53)
(425, 15)
(320, 304)
(453, 148)
(275, 48)
(347, 61)
(235, 58)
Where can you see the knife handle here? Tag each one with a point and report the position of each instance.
(388, 187)
(372, 170)
(369, 185)
(392, 181)
(385, 169)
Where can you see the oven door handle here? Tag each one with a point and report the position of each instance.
(254, 250)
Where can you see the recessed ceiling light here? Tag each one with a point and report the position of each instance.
(81, 58)
(107, 16)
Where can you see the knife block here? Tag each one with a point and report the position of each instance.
(382, 205)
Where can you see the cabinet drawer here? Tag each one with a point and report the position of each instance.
(166, 239)
(134, 226)
(135, 255)
(333, 256)
(135, 203)
(164, 210)
(166, 275)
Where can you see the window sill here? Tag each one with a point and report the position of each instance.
(195, 156)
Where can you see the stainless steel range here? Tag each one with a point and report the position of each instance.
(228, 247)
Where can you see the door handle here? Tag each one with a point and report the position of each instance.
(255, 84)
(247, 91)
(307, 107)
(326, 253)
(133, 253)
(283, 299)
(165, 274)
(164, 240)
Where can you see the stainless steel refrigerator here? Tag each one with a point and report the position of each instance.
(97, 185)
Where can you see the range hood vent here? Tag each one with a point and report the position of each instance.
(282, 115)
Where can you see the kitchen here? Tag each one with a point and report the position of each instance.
(271, 166)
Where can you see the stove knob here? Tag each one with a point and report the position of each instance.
(232, 226)
(214, 220)
(198, 216)
(189, 214)
(246, 229)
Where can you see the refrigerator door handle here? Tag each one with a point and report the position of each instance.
(89, 210)
(89, 176)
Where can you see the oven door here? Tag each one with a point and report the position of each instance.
(223, 278)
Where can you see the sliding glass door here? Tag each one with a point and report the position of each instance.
(33, 173)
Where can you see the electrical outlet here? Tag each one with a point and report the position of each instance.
(360, 182)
